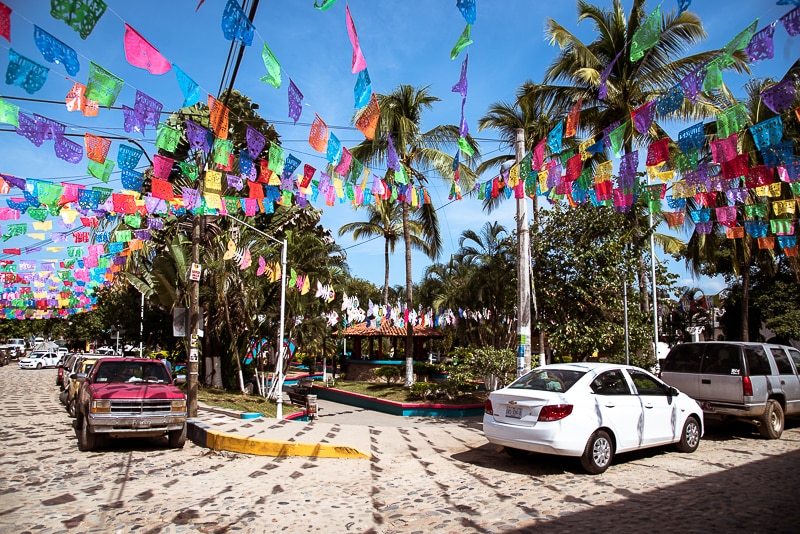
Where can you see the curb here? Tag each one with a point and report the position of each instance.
(204, 436)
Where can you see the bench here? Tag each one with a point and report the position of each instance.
(297, 395)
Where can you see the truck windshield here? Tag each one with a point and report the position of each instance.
(132, 372)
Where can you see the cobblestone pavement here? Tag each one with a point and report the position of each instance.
(427, 476)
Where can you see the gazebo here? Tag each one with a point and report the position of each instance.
(362, 360)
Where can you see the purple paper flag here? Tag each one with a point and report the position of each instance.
(780, 96)
(295, 101)
(133, 122)
(761, 46)
(67, 150)
(197, 136)
(603, 90)
(392, 161)
(29, 130)
(791, 21)
(461, 86)
(255, 141)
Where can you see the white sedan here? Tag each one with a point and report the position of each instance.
(38, 359)
(591, 411)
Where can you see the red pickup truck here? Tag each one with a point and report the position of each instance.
(129, 397)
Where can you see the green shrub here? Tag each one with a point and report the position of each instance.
(310, 362)
(422, 390)
(425, 371)
(390, 372)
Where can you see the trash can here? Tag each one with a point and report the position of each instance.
(311, 407)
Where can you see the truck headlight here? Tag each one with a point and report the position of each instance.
(100, 406)
(179, 405)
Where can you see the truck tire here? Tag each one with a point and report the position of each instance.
(771, 423)
(86, 439)
(177, 438)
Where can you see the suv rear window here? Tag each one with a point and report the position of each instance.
(684, 359)
(722, 360)
(757, 362)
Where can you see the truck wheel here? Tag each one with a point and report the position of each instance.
(86, 439)
(771, 426)
(177, 438)
(71, 407)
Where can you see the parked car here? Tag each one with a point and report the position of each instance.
(64, 370)
(753, 382)
(126, 397)
(105, 351)
(81, 368)
(592, 411)
(39, 359)
(15, 348)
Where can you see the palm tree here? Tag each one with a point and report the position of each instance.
(419, 153)
(385, 220)
(575, 74)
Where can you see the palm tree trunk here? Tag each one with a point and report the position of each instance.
(230, 332)
(386, 273)
(409, 327)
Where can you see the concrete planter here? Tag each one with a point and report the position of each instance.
(397, 408)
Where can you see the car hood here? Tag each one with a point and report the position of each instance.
(140, 390)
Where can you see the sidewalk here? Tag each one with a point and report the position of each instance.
(339, 431)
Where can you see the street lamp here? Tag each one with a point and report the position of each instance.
(279, 371)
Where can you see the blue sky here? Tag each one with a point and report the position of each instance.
(406, 42)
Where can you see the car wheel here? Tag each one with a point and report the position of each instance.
(598, 453)
(515, 453)
(63, 397)
(771, 426)
(86, 439)
(177, 438)
(39, 365)
(690, 438)
(71, 407)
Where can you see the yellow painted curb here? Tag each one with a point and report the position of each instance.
(222, 441)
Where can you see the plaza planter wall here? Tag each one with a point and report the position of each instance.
(397, 408)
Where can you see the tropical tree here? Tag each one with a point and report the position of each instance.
(385, 219)
(581, 70)
(419, 153)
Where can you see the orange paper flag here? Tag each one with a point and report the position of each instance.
(368, 119)
(218, 117)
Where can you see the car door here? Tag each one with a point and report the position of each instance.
(658, 406)
(788, 376)
(618, 408)
(52, 359)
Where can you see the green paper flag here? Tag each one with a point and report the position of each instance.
(462, 42)
(647, 35)
(273, 76)
(188, 170)
(617, 138)
(49, 193)
(731, 120)
(742, 40)
(277, 159)
(38, 214)
(9, 113)
(103, 87)
(101, 171)
(80, 15)
(326, 4)
(464, 146)
(167, 137)
(133, 220)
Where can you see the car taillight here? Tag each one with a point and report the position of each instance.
(554, 412)
(487, 408)
(747, 387)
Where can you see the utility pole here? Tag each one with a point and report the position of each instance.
(523, 271)
(194, 322)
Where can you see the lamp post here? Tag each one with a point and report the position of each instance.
(279, 370)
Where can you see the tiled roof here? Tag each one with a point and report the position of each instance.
(388, 330)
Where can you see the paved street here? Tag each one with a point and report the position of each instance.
(424, 476)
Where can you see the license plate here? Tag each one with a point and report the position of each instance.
(514, 412)
(142, 423)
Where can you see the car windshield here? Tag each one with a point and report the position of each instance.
(132, 372)
(558, 380)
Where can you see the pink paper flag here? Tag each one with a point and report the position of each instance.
(359, 63)
(142, 54)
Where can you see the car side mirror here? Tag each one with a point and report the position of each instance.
(179, 379)
(80, 377)
(673, 392)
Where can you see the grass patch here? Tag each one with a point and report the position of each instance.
(400, 393)
(236, 401)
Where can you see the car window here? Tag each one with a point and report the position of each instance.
(611, 383)
(721, 360)
(132, 372)
(684, 359)
(782, 361)
(757, 362)
(795, 355)
(646, 384)
(558, 380)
